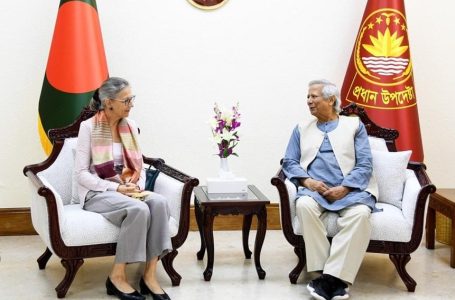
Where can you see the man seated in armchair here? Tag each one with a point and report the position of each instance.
(329, 160)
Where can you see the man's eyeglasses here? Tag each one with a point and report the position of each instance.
(128, 101)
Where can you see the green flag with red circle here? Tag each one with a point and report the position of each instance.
(76, 67)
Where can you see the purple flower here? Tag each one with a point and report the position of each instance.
(224, 129)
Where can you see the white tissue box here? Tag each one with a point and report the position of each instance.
(218, 185)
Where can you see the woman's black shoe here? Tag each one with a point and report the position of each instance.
(111, 289)
(145, 291)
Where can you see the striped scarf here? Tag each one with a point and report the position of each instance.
(101, 147)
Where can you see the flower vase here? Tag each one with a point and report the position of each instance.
(224, 171)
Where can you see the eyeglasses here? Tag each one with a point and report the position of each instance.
(313, 97)
(128, 101)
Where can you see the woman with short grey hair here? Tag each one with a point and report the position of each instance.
(109, 172)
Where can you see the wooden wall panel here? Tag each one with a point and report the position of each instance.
(17, 221)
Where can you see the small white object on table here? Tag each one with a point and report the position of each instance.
(216, 185)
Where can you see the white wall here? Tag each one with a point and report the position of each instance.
(180, 60)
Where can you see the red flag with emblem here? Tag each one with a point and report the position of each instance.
(379, 76)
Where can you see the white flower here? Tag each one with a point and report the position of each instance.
(213, 123)
(217, 138)
(228, 135)
(227, 117)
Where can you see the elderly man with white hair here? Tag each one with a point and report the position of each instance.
(329, 160)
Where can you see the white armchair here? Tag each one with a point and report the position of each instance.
(403, 191)
(72, 233)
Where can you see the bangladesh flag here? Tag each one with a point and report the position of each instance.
(75, 69)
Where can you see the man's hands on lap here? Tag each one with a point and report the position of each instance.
(335, 193)
(315, 185)
(332, 194)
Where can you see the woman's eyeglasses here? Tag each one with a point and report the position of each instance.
(128, 101)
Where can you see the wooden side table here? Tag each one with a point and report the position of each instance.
(443, 201)
(207, 206)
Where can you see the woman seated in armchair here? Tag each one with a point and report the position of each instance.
(109, 170)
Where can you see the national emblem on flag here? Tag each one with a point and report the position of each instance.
(379, 76)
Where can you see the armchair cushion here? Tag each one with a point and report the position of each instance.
(87, 228)
(292, 192)
(77, 225)
(77, 233)
(59, 175)
(383, 223)
(410, 195)
(74, 193)
(390, 171)
(172, 190)
(377, 144)
(40, 217)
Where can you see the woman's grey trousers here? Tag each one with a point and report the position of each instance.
(144, 225)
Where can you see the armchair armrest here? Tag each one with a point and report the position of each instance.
(160, 164)
(47, 209)
(410, 196)
(188, 183)
(420, 171)
(420, 187)
(153, 161)
(279, 180)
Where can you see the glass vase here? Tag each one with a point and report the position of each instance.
(224, 171)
